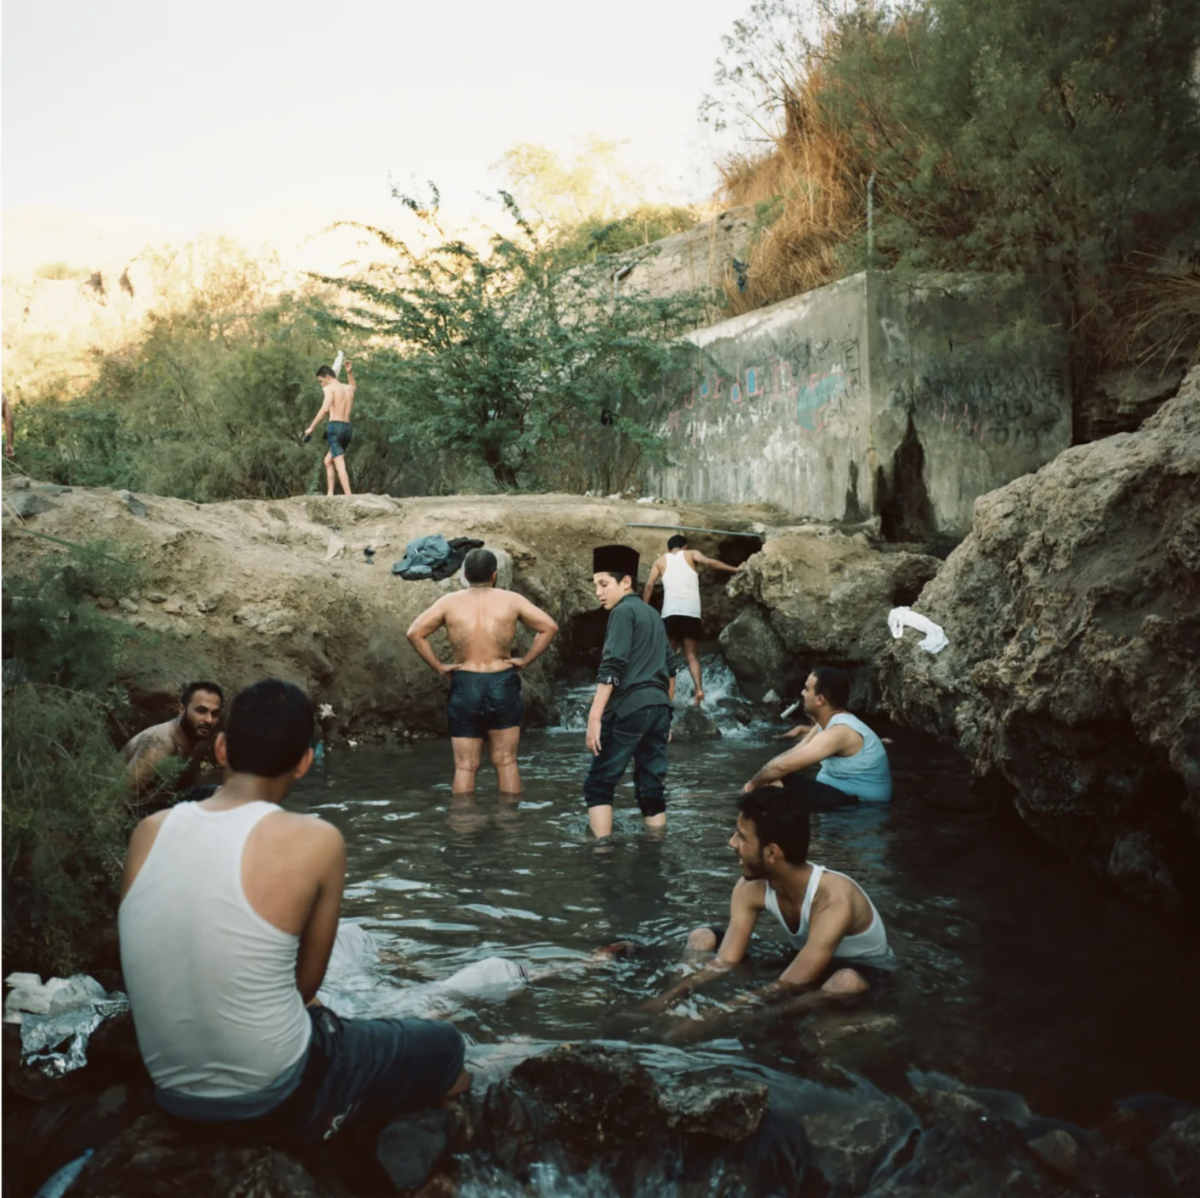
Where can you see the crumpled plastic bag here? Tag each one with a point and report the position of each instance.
(60, 1012)
(901, 617)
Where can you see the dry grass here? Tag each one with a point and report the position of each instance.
(807, 183)
(1164, 323)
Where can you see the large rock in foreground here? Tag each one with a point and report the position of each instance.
(820, 597)
(1073, 612)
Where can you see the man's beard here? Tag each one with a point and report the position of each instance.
(192, 731)
(753, 871)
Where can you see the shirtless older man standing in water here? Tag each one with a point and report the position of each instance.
(339, 400)
(485, 679)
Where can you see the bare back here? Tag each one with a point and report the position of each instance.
(482, 624)
(340, 397)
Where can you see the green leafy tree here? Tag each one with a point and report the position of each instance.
(508, 361)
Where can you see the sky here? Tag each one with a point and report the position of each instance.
(174, 116)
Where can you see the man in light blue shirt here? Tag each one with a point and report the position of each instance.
(854, 763)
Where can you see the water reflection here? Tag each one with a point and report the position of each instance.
(1019, 971)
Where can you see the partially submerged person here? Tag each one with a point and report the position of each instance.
(229, 910)
(485, 677)
(189, 737)
(630, 717)
(337, 405)
(679, 570)
(840, 941)
(853, 760)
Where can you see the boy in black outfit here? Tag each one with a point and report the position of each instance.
(631, 713)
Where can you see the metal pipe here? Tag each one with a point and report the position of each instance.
(720, 532)
(871, 221)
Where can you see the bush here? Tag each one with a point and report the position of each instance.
(514, 361)
(66, 810)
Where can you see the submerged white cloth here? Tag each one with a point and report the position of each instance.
(900, 617)
(681, 587)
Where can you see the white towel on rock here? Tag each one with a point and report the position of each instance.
(900, 617)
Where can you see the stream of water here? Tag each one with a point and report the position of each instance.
(1018, 971)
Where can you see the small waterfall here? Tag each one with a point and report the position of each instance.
(734, 714)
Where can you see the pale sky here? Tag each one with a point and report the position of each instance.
(194, 114)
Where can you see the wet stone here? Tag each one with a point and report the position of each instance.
(1057, 1150)
(728, 1108)
(415, 1147)
(693, 724)
(1177, 1153)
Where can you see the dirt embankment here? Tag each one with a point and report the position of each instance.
(249, 589)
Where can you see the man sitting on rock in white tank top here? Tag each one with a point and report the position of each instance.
(854, 763)
(679, 570)
(229, 909)
(842, 945)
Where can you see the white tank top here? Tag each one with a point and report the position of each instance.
(867, 948)
(212, 984)
(681, 587)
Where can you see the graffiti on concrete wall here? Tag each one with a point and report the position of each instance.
(1002, 405)
(809, 375)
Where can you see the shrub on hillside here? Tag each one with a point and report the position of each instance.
(66, 810)
(516, 362)
(1027, 137)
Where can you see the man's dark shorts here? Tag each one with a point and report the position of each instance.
(338, 434)
(642, 737)
(483, 703)
(367, 1071)
(817, 796)
(684, 628)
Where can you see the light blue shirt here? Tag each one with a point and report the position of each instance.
(867, 774)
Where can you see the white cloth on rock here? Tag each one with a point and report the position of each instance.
(901, 617)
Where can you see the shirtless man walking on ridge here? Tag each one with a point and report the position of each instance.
(485, 679)
(339, 399)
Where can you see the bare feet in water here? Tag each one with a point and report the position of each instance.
(699, 698)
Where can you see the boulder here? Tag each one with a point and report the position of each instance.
(691, 723)
(825, 598)
(755, 653)
(1072, 673)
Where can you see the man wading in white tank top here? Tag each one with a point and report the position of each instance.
(679, 570)
(843, 947)
(229, 909)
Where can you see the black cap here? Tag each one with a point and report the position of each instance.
(615, 559)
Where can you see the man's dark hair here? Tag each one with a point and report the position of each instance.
(479, 565)
(778, 819)
(678, 541)
(834, 684)
(185, 696)
(325, 372)
(270, 725)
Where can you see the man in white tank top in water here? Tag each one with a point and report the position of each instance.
(853, 760)
(826, 916)
(229, 909)
(679, 569)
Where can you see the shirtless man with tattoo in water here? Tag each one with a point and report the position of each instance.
(485, 679)
(188, 736)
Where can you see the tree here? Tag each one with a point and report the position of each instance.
(511, 362)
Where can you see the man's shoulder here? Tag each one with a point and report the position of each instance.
(304, 835)
(750, 892)
(154, 736)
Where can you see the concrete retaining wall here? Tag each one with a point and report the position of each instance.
(867, 400)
